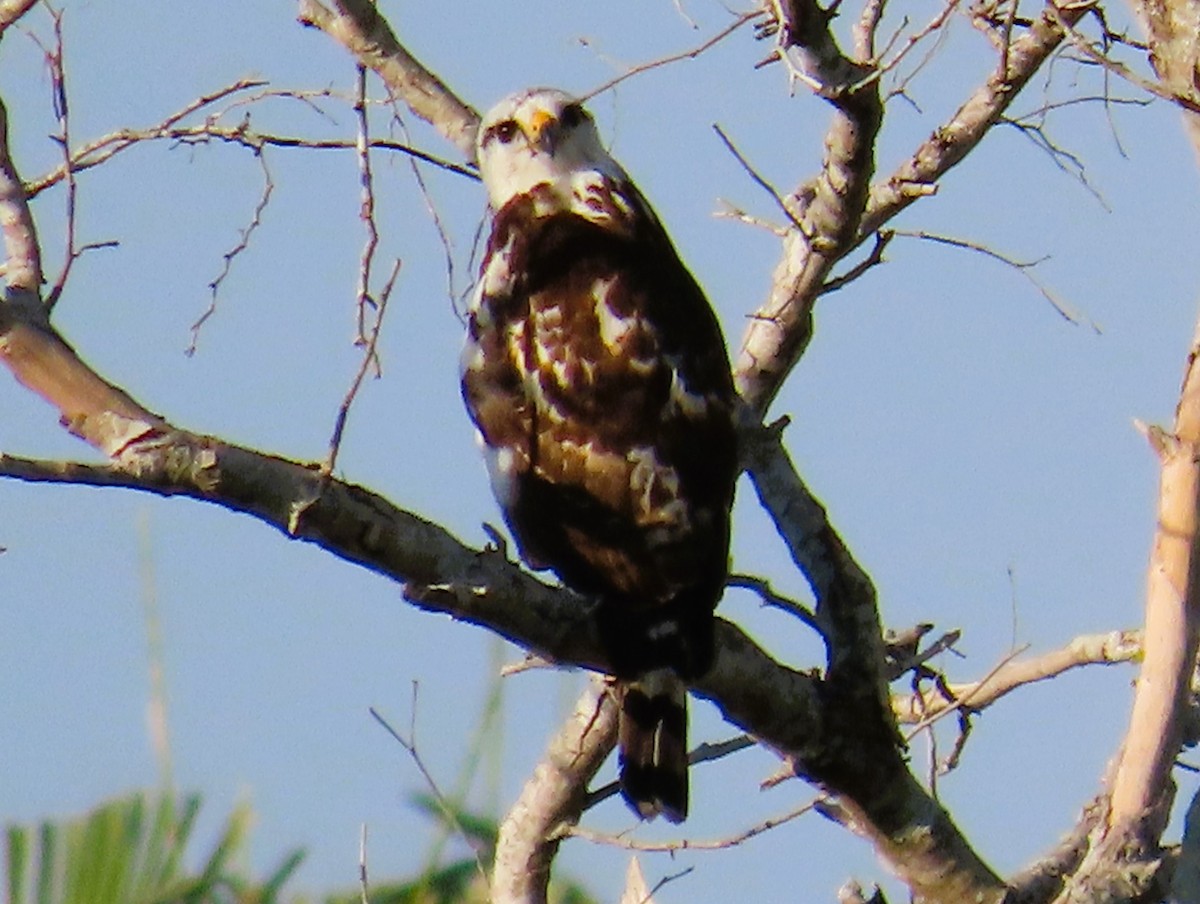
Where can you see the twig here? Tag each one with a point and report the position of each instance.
(366, 210)
(954, 139)
(702, 753)
(759, 180)
(687, 844)
(882, 239)
(410, 746)
(1036, 132)
(102, 149)
(665, 880)
(741, 20)
(243, 242)
(964, 700)
(369, 357)
(683, 15)
(770, 597)
(936, 24)
(1022, 267)
(1084, 46)
(901, 84)
(96, 152)
(960, 744)
(729, 211)
(443, 234)
(58, 87)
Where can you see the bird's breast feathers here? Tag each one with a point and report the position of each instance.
(597, 377)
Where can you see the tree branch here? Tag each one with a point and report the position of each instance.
(359, 27)
(832, 204)
(23, 267)
(12, 10)
(552, 799)
(1090, 649)
(837, 217)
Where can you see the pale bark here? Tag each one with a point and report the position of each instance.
(12, 10)
(553, 799)
(361, 29)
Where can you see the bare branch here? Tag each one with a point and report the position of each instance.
(1023, 267)
(552, 799)
(103, 149)
(366, 213)
(780, 330)
(229, 256)
(370, 357)
(23, 264)
(882, 239)
(833, 203)
(359, 27)
(845, 596)
(769, 597)
(737, 23)
(58, 83)
(1172, 625)
(958, 136)
(935, 25)
(702, 753)
(410, 746)
(1185, 100)
(1089, 649)
(869, 768)
(688, 844)
(12, 10)
(770, 189)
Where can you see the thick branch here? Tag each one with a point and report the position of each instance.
(831, 206)
(1174, 30)
(1172, 619)
(23, 270)
(836, 223)
(783, 707)
(552, 799)
(846, 606)
(951, 142)
(12, 10)
(359, 27)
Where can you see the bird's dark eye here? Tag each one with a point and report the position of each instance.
(572, 115)
(505, 131)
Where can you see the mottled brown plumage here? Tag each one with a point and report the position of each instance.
(596, 374)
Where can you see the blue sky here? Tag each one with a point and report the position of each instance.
(976, 450)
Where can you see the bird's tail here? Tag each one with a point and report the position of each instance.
(652, 741)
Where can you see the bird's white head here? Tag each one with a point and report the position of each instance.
(539, 136)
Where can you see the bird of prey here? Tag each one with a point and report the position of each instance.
(596, 374)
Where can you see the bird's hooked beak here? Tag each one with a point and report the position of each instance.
(541, 131)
